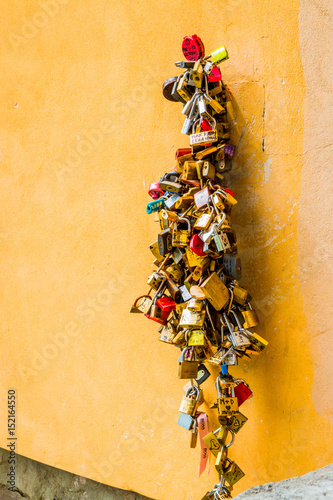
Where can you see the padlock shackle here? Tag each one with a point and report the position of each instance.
(142, 297)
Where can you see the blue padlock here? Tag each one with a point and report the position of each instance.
(155, 206)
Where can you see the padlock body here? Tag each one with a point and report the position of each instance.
(215, 291)
(188, 369)
(188, 405)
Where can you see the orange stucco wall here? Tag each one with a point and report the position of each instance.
(84, 130)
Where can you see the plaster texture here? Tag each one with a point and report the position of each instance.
(84, 129)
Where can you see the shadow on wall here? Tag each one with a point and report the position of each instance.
(36, 481)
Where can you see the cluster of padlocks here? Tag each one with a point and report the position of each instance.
(195, 293)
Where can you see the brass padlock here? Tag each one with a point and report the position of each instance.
(212, 443)
(236, 422)
(183, 89)
(190, 171)
(239, 338)
(197, 74)
(196, 338)
(204, 221)
(155, 251)
(144, 303)
(221, 459)
(233, 473)
(168, 333)
(190, 401)
(181, 237)
(215, 291)
(155, 280)
(187, 368)
(258, 342)
(195, 305)
(250, 316)
(208, 170)
(192, 318)
(175, 272)
(240, 295)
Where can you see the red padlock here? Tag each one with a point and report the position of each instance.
(196, 245)
(182, 151)
(155, 191)
(193, 48)
(242, 393)
(167, 304)
(215, 75)
(230, 192)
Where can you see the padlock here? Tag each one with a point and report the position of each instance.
(186, 421)
(173, 289)
(212, 443)
(242, 392)
(190, 170)
(144, 303)
(215, 75)
(194, 259)
(258, 342)
(155, 313)
(155, 191)
(187, 369)
(206, 137)
(184, 202)
(168, 333)
(220, 461)
(250, 316)
(192, 318)
(229, 150)
(181, 237)
(156, 205)
(190, 401)
(196, 245)
(233, 473)
(227, 406)
(155, 280)
(238, 338)
(163, 219)
(232, 266)
(174, 94)
(193, 48)
(219, 55)
(231, 359)
(172, 187)
(214, 104)
(225, 380)
(201, 198)
(195, 305)
(196, 338)
(167, 304)
(194, 437)
(217, 202)
(208, 170)
(155, 251)
(197, 74)
(240, 295)
(183, 90)
(167, 88)
(203, 374)
(215, 291)
(170, 202)
(175, 272)
(165, 242)
(185, 293)
(204, 221)
(237, 421)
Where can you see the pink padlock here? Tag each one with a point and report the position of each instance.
(155, 191)
(196, 245)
